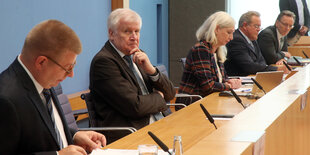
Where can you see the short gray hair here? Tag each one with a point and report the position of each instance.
(125, 14)
(286, 13)
(207, 30)
(247, 17)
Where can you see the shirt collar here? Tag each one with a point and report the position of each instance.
(118, 51)
(36, 83)
(279, 34)
(249, 41)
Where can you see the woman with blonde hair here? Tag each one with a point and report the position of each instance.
(204, 70)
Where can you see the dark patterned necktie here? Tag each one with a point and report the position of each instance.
(47, 96)
(142, 85)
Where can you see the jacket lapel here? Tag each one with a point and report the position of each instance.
(123, 64)
(34, 97)
(247, 43)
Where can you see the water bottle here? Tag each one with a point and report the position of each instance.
(177, 145)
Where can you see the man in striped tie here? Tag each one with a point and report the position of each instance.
(31, 117)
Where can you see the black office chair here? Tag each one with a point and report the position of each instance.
(162, 69)
(93, 122)
(66, 107)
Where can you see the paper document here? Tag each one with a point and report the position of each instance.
(121, 152)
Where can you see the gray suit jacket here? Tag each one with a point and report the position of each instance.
(27, 127)
(117, 96)
(269, 45)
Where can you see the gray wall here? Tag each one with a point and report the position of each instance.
(185, 17)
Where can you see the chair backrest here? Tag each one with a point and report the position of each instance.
(91, 109)
(66, 107)
(182, 61)
(162, 69)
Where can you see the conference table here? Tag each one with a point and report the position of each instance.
(282, 115)
(189, 122)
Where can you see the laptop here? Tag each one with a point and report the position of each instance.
(268, 80)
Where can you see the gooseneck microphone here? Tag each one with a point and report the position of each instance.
(159, 143)
(286, 65)
(298, 62)
(305, 54)
(237, 97)
(258, 85)
(208, 115)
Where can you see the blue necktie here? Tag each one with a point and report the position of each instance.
(142, 85)
(47, 95)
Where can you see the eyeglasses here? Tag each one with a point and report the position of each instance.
(286, 25)
(68, 71)
(255, 26)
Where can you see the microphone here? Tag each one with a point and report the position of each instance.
(208, 115)
(286, 65)
(305, 54)
(298, 62)
(258, 85)
(159, 142)
(237, 97)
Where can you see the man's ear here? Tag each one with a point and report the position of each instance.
(40, 62)
(111, 34)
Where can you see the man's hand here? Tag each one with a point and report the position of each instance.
(303, 30)
(287, 54)
(280, 62)
(89, 140)
(142, 60)
(72, 150)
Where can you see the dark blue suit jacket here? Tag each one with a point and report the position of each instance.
(243, 59)
(26, 125)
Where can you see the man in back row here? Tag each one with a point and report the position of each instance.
(244, 56)
(31, 116)
(273, 40)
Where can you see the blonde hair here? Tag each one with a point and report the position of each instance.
(51, 38)
(207, 31)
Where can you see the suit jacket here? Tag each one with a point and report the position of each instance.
(243, 59)
(116, 93)
(26, 124)
(269, 45)
(292, 6)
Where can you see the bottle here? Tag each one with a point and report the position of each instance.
(177, 145)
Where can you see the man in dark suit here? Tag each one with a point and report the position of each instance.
(302, 21)
(243, 53)
(273, 41)
(31, 117)
(127, 93)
